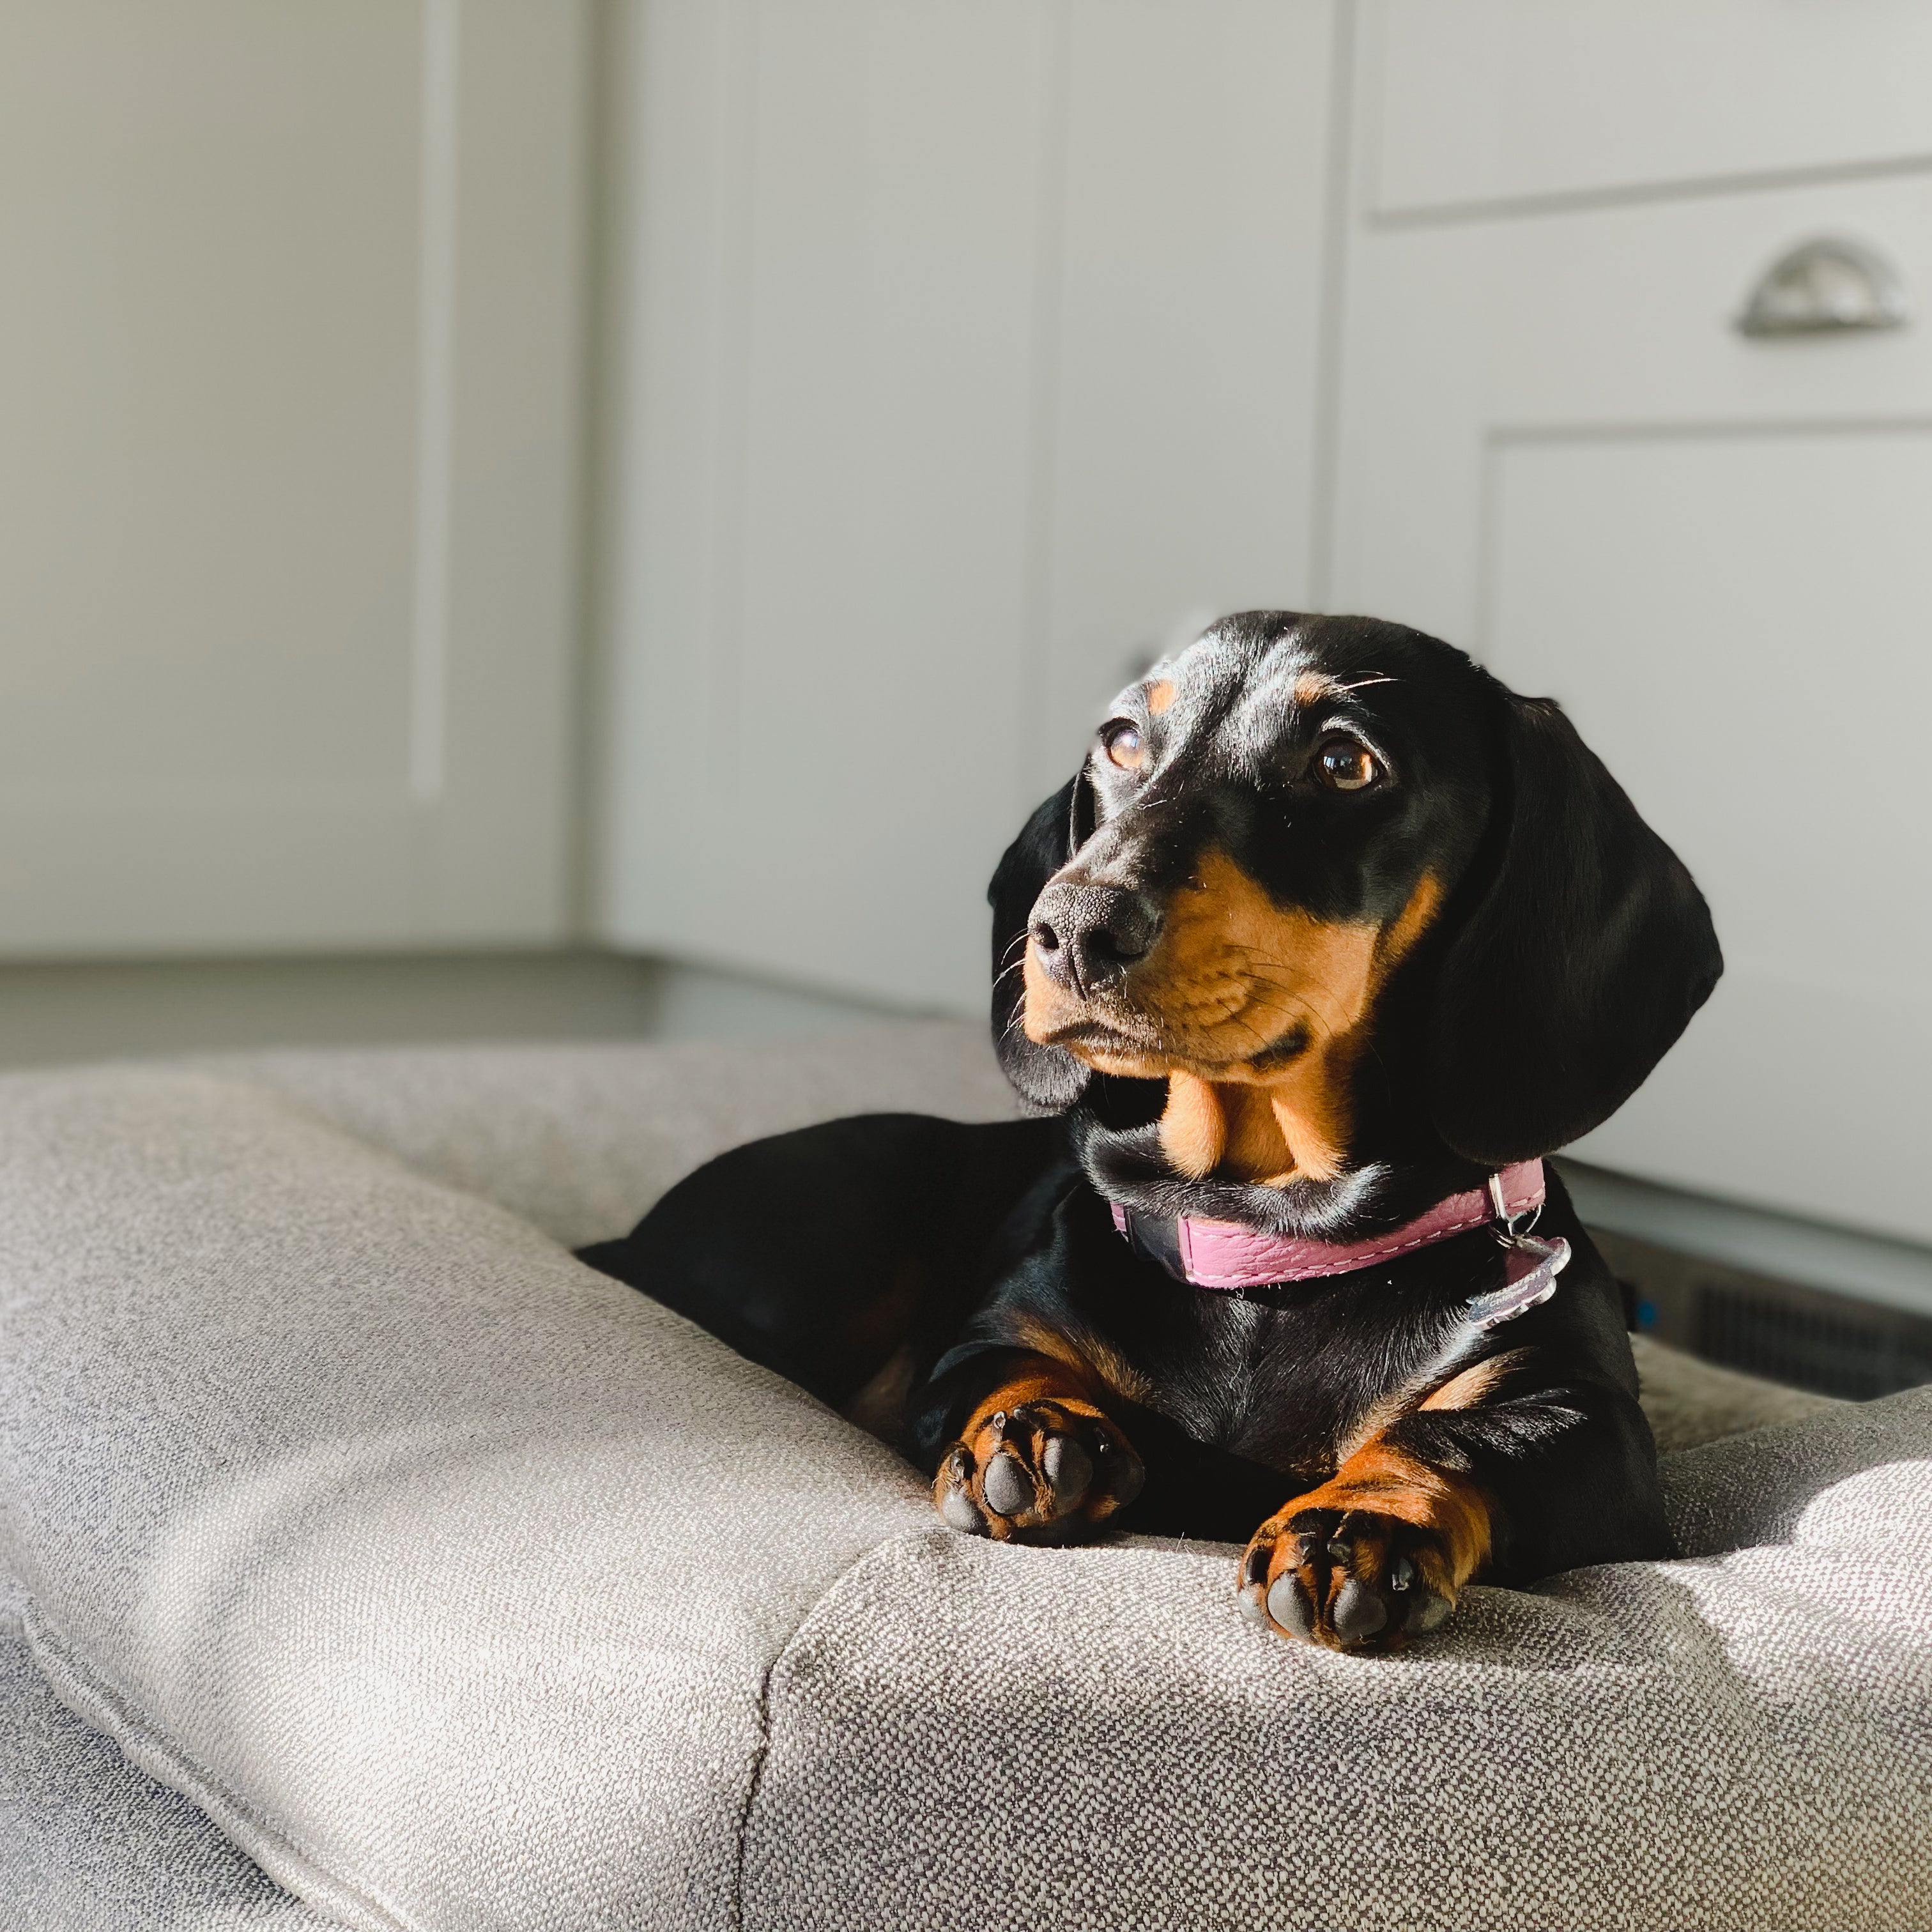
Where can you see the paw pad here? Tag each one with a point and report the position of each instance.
(1353, 1579)
(1045, 1471)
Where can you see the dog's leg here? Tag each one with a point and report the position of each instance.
(1037, 1460)
(1527, 1479)
(1378, 1554)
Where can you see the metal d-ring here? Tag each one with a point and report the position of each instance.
(1509, 1227)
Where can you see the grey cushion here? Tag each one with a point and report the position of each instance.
(440, 1571)
(580, 1140)
(464, 1589)
(1688, 1402)
(1086, 1738)
(89, 1844)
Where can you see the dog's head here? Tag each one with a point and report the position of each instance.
(1329, 883)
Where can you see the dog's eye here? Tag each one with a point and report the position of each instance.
(1124, 746)
(1345, 764)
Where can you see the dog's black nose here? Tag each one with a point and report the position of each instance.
(1086, 936)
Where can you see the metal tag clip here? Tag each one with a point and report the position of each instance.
(1531, 1265)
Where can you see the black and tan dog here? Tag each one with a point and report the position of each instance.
(1329, 929)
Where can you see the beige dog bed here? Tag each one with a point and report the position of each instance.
(459, 1588)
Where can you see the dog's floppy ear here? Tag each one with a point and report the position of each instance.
(1578, 966)
(1048, 1076)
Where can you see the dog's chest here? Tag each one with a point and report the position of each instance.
(1286, 1378)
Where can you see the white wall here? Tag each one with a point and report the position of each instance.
(290, 390)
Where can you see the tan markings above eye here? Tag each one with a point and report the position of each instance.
(1124, 746)
(1345, 764)
(1160, 695)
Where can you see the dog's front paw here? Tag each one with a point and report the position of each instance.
(1348, 1579)
(1045, 1472)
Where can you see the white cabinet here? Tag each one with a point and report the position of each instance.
(969, 349)
(1743, 625)
(1558, 451)
(1491, 104)
(966, 350)
(288, 405)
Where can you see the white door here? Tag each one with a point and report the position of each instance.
(973, 350)
(1558, 451)
(289, 399)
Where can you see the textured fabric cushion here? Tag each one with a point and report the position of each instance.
(966, 1734)
(89, 1844)
(1688, 1402)
(580, 1140)
(442, 1572)
(465, 1590)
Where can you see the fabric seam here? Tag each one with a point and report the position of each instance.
(755, 1782)
(98, 1701)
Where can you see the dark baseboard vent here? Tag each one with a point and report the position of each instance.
(1862, 1353)
(1805, 1337)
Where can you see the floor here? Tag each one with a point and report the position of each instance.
(52, 1013)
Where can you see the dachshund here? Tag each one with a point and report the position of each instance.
(1330, 940)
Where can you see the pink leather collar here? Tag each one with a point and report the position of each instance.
(1225, 1254)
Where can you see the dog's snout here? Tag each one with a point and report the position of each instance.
(1084, 936)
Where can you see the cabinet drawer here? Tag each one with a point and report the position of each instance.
(1505, 101)
(1633, 312)
(1607, 321)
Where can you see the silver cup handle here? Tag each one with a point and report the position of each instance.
(1826, 286)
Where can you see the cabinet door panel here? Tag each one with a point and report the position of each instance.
(1741, 625)
(1619, 318)
(160, 461)
(815, 757)
(288, 382)
(1189, 300)
(940, 317)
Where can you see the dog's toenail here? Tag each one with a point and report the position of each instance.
(1254, 1569)
(1340, 1551)
(1358, 1612)
(1401, 1574)
(1006, 1486)
(1289, 1608)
